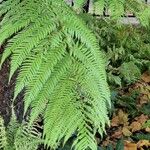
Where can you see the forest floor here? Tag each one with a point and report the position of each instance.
(6, 94)
(130, 117)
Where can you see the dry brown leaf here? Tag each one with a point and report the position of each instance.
(147, 129)
(146, 77)
(136, 126)
(142, 143)
(126, 131)
(130, 146)
(144, 99)
(123, 117)
(117, 134)
(106, 142)
(120, 119)
(142, 119)
(145, 90)
(115, 121)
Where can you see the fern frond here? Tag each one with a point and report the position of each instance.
(3, 138)
(85, 57)
(61, 69)
(118, 8)
(85, 138)
(43, 75)
(31, 65)
(11, 132)
(27, 137)
(144, 16)
(54, 125)
(134, 5)
(78, 4)
(36, 31)
(141, 11)
(18, 136)
(99, 6)
(24, 48)
(59, 72)
(13, 22)
(27, 71)
(7, 5)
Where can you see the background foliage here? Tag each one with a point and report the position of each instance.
(125, 48)
(59, 54)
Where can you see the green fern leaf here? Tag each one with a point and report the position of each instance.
(78, 4)
(116, 8)
(99, 6)
(61, 69)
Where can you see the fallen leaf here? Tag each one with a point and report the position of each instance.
(146, 77)
(147, 129)
(123, 117)
(145, 90)
(120, 119)
(106, 142)
(130, 146)
(142, 143)
(115, 121)
(126, 131)
(144, 99)
(142, 119)
(117, 134)
(136, 126)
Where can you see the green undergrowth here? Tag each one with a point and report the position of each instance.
(125, 48)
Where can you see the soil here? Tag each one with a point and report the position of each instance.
(6, 94)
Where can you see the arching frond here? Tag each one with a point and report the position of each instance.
(61, 68)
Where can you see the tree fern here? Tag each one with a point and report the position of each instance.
(60, 67)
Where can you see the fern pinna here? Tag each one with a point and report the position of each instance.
(60, 67)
